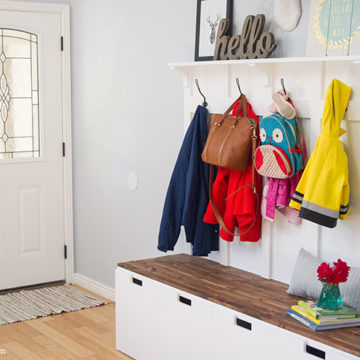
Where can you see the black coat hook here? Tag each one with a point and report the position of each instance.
(238, 85)
(204, 104)
(283, 85)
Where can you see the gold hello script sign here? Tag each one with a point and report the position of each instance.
(253, 43)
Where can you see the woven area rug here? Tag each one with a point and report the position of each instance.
(30, 304)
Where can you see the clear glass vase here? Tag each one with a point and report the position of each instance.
(330, 297)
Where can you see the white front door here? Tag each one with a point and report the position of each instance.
(31, 159)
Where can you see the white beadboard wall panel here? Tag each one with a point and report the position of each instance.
(342, 241)
(288, 239)
(274, 256)
(243, 255)
(349, 74)
(352, 147)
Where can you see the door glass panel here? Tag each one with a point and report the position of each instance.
(19, 95)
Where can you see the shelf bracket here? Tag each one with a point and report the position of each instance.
(186, 75)
(269, 75)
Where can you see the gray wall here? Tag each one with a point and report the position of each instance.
(127, 116)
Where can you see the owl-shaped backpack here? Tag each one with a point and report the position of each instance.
(280, 154)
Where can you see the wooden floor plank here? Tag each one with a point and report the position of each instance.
(56, 350)
(60, 338)
(21, 351)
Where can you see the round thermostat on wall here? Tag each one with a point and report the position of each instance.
(133, 181)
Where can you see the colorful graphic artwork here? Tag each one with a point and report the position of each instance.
(335, 24)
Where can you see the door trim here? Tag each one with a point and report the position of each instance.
(64, 11)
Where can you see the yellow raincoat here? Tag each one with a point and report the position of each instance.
(322, 195)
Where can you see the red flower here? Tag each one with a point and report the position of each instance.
(341, 271)
(325, 273)
(338, 273)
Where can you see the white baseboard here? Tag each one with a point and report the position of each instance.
(94, 286)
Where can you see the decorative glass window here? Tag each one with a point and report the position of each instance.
(19, 95)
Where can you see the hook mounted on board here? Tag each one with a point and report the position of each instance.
(204, 104)
(238, 85)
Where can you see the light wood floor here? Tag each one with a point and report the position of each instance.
(84, 334)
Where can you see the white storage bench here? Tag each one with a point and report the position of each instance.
(189, 308)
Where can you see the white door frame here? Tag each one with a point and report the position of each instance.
(64, 11)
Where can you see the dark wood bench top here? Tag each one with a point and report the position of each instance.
(250, 294)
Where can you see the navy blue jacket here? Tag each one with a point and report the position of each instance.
(187, 197)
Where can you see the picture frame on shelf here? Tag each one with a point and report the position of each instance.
(208, 16)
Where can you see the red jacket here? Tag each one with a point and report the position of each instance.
(239, 209)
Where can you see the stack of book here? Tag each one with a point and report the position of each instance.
(319, 319)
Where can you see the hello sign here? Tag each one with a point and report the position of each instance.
(253, 43)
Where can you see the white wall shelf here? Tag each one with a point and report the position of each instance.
(252, 62)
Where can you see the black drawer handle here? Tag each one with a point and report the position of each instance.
(185, 300)
(243, 323)
(137, 281)
(316, 352)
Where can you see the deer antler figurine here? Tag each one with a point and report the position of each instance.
(213, 27)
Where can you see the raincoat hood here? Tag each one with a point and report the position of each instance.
(336, 101)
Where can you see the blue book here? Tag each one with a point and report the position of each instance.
(317, 327)
(302, 319)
